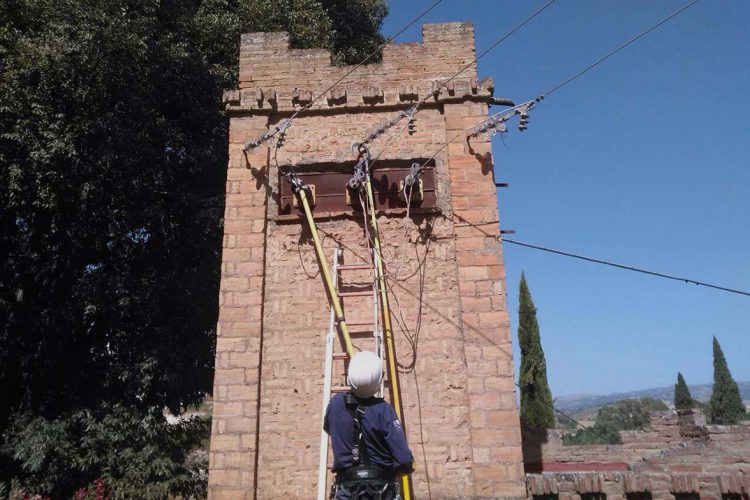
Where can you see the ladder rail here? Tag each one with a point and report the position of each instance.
(377, 333)
(327, 382)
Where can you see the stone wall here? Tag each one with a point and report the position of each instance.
(678, 455)
(447, 277)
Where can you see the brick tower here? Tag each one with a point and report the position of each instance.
(444, 261)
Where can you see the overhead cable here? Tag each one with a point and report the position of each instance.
(286, 123)
(496, 43)
(496, 121)
(623, 266)
(618, 49)
(382, 127)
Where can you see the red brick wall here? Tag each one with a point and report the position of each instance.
(447, 271)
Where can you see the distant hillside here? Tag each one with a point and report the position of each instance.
(579, 402)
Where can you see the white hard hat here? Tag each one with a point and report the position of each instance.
(365, 374)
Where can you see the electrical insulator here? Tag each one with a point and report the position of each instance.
(411, 126)
(523, 122)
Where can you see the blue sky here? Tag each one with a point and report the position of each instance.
(642, 161)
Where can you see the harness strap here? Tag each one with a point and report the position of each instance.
(357, 411)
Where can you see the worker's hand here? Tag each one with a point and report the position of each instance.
(408, 469)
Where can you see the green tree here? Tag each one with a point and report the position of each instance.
(536, 398)
(725, 406)
(682, 398)
(112, 172)
(628, 414)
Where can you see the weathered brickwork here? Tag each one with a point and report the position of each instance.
(678, 455)
(446, 274)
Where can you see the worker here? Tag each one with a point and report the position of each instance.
(369, 445)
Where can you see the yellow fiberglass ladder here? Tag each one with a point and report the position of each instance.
(362, 182)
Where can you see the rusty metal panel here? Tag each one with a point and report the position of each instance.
(331, 194)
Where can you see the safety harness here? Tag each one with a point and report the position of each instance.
(363, 480)
(357, 411)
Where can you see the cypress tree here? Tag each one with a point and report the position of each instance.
(536, 398)
(682, 398)
(726, 405)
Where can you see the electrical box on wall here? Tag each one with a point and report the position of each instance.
(329, 183)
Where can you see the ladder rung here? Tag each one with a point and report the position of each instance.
(345, 267)
(340, 388)
(340, 355)
(359, 323)
(356, 294)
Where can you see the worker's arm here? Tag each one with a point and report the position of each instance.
(396, 440)
(325, 419)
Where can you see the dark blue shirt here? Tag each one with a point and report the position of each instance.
(384, 440)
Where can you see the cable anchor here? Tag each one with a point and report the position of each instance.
(361, 169)
(298, 184)
(411, 184)
(412, 178)
(281, 128)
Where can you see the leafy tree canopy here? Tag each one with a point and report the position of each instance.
(112, 170)
(628, 414)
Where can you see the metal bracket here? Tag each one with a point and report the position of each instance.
(310, 190)
(299, 185)
(496, 122)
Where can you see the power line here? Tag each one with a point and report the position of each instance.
(494, 121)
(369, 56)
(618, 49)
(415, 108)
(502, 39)
(623, 266)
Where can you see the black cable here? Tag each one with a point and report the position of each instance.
(618, 49)
(580, 73)
(502, 39)
(623, 266)
(415, 108)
